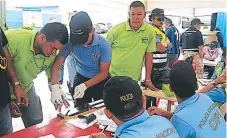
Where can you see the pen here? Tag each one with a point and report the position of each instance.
(102, 131)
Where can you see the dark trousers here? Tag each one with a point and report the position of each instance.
(158, 77)
(94, 92)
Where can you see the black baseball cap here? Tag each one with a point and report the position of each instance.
(158, 13)
(123, 97)
(183, 79)
(80, 27)
(196, 21)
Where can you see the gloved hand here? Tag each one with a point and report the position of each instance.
(79, 91)
(57, 95)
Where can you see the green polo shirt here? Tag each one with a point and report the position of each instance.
(26, 64)
(129, 48)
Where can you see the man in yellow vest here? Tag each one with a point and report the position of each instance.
(160, 72)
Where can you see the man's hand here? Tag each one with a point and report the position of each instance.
(97, 135)
(14, 110)
(155, 111)
(79, 91)
(150, 85)
(58, 97)
(20, 94)
(221, 80)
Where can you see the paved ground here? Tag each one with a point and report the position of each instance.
(49, 112)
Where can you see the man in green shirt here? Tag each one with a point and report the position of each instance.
(132, 41)
(28, 53)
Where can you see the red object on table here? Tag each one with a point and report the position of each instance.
(57, 128)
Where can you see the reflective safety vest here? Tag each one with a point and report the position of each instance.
(160, 58)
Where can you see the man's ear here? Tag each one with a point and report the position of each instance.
(108, 114)
(42, 38)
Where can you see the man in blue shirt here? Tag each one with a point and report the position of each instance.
(92, 54)
(125, 105)
(173, 35)
(196, 116)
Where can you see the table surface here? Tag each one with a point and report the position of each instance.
(158, 94)
(57, 127)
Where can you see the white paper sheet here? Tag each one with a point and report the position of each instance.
(80, 123)
(84, 136)
(47, 136)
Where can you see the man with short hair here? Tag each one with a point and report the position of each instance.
(92, 54)
(191, 44)
(196, 116)
(28, 53)
(173, 35)
(125, 106)
(131, 42)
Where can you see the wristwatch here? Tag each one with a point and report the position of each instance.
(15, 83)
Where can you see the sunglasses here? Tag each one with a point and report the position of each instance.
(159, 18)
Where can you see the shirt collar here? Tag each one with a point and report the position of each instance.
(142, 27)
(139, 119)
(186, 102)
(32, 41)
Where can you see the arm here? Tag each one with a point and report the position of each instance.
(183, 128)
(200, 44)
(18, 90)
(104, 69)
(55, 69)
(160, 47)
(149, 61)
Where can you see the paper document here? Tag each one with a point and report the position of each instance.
(80, 123)
(83, 136)
(47, 136)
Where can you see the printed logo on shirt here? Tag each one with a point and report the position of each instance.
(144, 40)
(213, 119)
(159, 36)
(95, 55)
(3, 62)
(166, 133)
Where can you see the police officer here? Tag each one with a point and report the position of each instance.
(132, 119)
(160, 73)
(191, 44)
(196, 116)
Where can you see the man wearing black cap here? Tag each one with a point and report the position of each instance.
(191, 44)
(92, 54)
(160, 73)
(196, 116)
(125, 106)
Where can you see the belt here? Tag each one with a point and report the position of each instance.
(191, 50)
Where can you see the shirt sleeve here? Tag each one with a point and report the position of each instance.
(199, 38)
(183, 128)
(110, 36)
(65, 51)
(3, 39)
(152, 42)
(106, 52)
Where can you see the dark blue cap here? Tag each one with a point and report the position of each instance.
(80, 27)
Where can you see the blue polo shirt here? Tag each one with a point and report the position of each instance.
(172, 34)
(198, 117)
(88, 58)
(145, 126)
